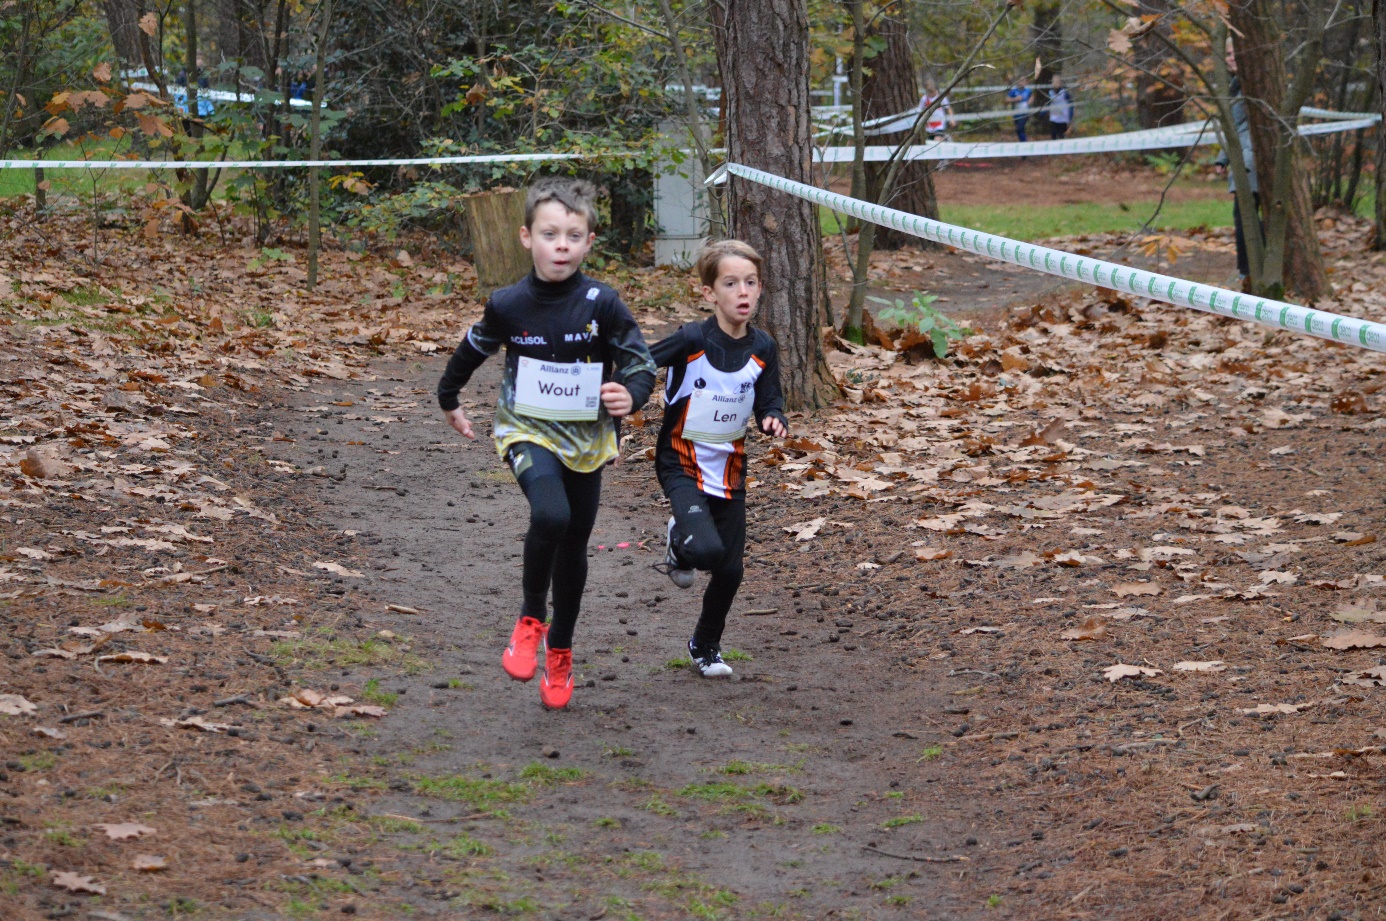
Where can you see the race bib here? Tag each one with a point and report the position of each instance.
(558, 391)
(716, 418)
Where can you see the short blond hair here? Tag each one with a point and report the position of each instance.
(711, 256)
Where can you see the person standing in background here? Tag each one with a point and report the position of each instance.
(940, 119)
(1019, 97)
(1060, 110)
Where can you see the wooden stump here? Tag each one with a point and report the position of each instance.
(493, 221)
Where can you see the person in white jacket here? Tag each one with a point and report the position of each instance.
(1060, 110)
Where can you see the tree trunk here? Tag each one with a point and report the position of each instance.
(122, 19)
(315, 145)
(201, 189)
(1379, 10)
(892, 87)
(1160, 94)
(1046, 34)
(763, 54)
(1292, 259)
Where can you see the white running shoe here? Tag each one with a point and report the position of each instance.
(708, 662)
(680, 576)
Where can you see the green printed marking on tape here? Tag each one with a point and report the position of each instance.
(1284, 313)
(1309, 322)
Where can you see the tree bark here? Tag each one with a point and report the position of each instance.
(763, 53)
(1293, 259)
(122, 19)
(1046, 34)
(892, 87)
(1379, 11)
(1158, 102)
(201, 190)
(315, 145)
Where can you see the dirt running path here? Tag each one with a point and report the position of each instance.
(656, 794)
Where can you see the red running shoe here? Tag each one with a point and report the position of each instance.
(556, 687)
(521, 657)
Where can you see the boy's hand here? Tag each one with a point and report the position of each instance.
(616, 399)
(458, 420)
(771, 425)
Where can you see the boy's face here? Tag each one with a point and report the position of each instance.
(735, 292)
(558, 239)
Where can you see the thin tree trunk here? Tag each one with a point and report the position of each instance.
(763, 53)
(1379, 12)
(1158, 102)
(890, 88)
(315, 146)
(1292, 257)
(23, 59)
(122, 20)
(195, 197)
(1046, 38)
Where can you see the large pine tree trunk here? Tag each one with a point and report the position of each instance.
(1284, 184)
(891, 87)
(1379, 9)
(763, 53)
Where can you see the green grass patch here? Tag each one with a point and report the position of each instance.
(735, 655)
(372, 693)
(932, 753)
(898, 821)
(714, 791)
(736, 768)
(38, 761)
(463, 846)
(1036, 222)
(394, 825)
(320, 653)
(607, 822)
(479, 793)
(659, 807)
(823, 828)
(546, 776)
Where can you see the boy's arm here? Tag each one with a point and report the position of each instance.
(482, 341)
(631, 364)
(769, 402)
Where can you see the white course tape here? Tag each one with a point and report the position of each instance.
(1224, 303)
(1313, 112)
(285, 164)
(1187, 135)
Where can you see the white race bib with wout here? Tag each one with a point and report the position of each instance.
(558, 391)
(716, 418)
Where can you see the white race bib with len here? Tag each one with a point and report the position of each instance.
(558, 391)
(716, 418)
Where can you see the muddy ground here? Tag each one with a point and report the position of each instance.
(255, 593)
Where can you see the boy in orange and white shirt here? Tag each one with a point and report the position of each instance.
(724, 376)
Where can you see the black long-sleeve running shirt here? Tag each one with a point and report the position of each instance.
(575, 320)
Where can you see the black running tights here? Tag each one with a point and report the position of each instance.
(562, 509)
(710, 534)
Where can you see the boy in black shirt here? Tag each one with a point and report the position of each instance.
(722, 372)
(574, 362)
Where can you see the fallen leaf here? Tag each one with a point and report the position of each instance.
(15, 705)
(54, 654)
(148, 863)
(1272, 577)
(1126, 589)
(125, 830)
(339, 569)
(1354, 538)
(1116, 672)
(1091, 629)
(195, 722)
(1354, 639)
(145, 658)
(359, 710)
(48, 732)
(1217, 665)
(807, 530)
(75, 883)
(928, 554)
(1022, 560)
(1371, 678)
(1361, 612)
(1318, 518)
(1262, 709)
